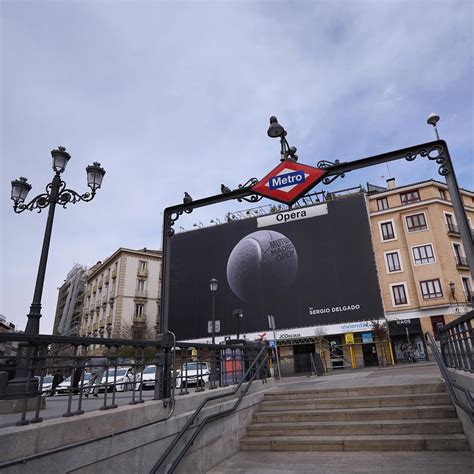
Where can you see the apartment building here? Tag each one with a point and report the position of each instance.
(423, 271)
(67, 321)
(122, 297)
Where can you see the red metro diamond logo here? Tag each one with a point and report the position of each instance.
(288, 182)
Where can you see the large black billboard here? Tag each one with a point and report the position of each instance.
(309, 266)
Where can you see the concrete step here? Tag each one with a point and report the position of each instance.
(357, 414)
(340, 428)
(412, 442)
(358, 402)
(356, 391)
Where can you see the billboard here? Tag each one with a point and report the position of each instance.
(307, 267)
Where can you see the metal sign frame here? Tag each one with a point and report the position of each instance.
(434, 151)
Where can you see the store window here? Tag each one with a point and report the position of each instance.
(435, 320)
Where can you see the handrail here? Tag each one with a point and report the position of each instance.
(451, 384)
(209, 417)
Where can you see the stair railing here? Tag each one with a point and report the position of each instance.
(450, 383)
(169, 469)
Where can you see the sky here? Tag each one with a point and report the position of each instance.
(174, 96)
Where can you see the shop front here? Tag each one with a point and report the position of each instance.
(407, 340)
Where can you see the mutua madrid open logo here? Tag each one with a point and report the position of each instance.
(289, 181)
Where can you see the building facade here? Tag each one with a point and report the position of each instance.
(67, 321)
(423, 272)
(122, 296)
(7, 349)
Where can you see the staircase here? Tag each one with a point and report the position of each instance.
(413, 417)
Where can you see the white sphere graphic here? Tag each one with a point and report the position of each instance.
(262, 261)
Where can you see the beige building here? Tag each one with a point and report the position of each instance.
(421, 261)
(122, 298)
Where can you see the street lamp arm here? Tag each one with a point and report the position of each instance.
(69, 196)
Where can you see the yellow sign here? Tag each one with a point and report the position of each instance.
(349, 338)
(194, 354)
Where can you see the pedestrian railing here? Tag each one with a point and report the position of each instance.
(468, 403)
(86, 374)
(258, 369)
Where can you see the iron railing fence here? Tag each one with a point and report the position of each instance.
(457, 343)
(85, 374)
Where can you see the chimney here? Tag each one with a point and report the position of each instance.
(391, 184)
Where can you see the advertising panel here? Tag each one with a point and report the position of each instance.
(308, 266)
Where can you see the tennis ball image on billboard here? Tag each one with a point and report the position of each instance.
(307, 267)
(262, 260)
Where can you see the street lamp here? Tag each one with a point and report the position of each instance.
(213, 287)
(239, 314)
(452, 287)
(56, 193)
(275, 130)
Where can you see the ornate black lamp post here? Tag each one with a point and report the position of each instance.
(56, 193)
(213, 287)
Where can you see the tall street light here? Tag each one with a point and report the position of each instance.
(213, 287)
(56, 194)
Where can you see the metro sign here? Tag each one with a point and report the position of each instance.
(288, 182)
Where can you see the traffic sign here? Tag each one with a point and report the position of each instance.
(349, 338)
(289, 181)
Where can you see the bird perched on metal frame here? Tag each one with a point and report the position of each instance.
(224, 189)
(187, 198)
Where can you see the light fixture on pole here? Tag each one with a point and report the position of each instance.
(275, 130)
(433, 119)
(239, 314)
(213, 287)
(56, 193)
(452, 287)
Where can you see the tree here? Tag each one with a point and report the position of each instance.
(380, 331)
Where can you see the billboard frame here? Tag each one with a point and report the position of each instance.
(435, 150)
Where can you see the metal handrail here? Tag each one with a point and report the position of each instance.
(450, 383)
(170, 469)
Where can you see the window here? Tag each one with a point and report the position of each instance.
(387, 230)
(451, 224)
(393, 262)
(140, 286)
(382, 203)
(399, 294)
(142, 266)
(410, 197)
(442, 194)
(423, 254)
(416, 223)
(431, 289)
(139, 310)
(466, 286)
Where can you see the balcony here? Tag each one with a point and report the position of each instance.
(453, 229)
(142, 273)
(461, 263)
(141, 294)
(139, 319)
(114, 274)
(104, 300)
(109, 320)
(102, 323)
(94, 288)
(100, 284)
(97, 303)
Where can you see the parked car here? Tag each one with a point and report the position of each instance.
(65, 385)
(123, 379)
(192, 373)
(147, 379)
(47, 384)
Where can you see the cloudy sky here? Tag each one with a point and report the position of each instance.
(171, 96)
